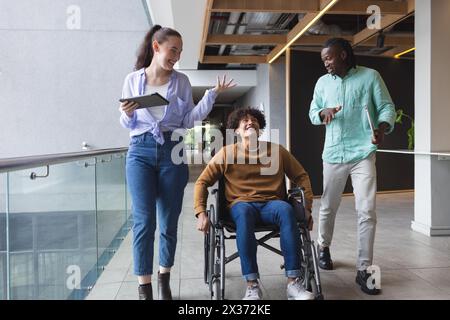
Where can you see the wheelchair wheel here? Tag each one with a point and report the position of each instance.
(218, 284)
(312, 286)
(316, 274)
(214, 258)
(310, 272)
(212, 278)
(216, 276)
(309, 282)
(216, 291)
(206, 270)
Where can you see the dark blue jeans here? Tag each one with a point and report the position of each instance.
(246, 214)
(156, 186)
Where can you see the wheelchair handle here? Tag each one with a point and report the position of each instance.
(297, 192)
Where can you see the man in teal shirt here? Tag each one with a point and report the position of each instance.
(342, 100)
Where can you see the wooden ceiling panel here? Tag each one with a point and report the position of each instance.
(393, 12)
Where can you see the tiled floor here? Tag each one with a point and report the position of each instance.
(413, 266)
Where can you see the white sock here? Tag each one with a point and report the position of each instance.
(164, 270)
(142, 280)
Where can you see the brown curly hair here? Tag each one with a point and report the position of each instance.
(237, 115)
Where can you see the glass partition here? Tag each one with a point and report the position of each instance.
(65, 222)
(3, 251)
(111, 201)
(52, 224)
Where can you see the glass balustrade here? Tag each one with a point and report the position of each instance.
(3, 253)
(60, 225)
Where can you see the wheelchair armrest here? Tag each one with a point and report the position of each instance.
(297, 193)
(302, 215)
(212, 212)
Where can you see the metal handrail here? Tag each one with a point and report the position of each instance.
(414, 152)
(20, 163)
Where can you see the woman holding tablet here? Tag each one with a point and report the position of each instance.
(155, 182)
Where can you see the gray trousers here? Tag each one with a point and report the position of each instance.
(364, 180)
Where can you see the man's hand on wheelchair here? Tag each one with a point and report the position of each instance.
(202, 222)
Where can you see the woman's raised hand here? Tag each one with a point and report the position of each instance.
(223, 85)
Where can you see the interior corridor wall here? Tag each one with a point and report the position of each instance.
(269, 95)
(62, 66)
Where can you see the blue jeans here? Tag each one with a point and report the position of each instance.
(246, 214)
(156, 186)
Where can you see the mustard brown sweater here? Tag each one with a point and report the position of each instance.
(260, 178)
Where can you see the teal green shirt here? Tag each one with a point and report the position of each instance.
(348, 135)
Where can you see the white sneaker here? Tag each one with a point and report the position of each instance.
(296, 291)
(253, 292)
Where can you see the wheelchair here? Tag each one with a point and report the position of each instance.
(223, 228)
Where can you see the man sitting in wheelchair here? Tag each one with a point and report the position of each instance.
(255, 193)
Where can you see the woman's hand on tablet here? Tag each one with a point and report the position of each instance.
(128, 107)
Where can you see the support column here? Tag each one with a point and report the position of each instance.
(432, 117)
(288, 99)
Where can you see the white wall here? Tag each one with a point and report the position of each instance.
(440, 68)
(60, 87)
(259, 97)
(260, 93)
(422, 138)
(270, 92)
(186, 16)
(278, 98)
(432, 77)
(440, 114)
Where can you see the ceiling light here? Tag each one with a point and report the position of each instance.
(321, 13)
(398, 55)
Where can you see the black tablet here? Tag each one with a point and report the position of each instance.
(150, 100)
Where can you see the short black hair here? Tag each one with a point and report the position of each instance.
(344, 45)
(237, 115)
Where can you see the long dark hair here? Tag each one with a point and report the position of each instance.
(344, 45)
(145, 52)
